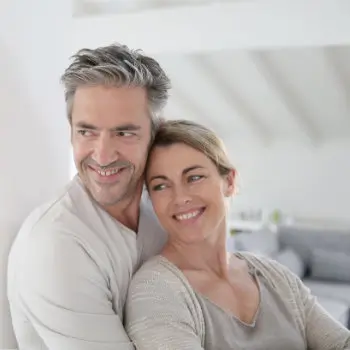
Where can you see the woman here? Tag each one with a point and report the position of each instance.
(194, 295)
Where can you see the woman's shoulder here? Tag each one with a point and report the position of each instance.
(162, 305)
(273, 271)
(159, 284)
(156, 265)
(158, 272)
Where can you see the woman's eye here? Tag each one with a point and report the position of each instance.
(158, 187)
(194, 178)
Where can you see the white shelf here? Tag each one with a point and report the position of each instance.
(245, 225)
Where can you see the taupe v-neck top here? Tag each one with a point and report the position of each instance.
(273, 326)
(163, 312)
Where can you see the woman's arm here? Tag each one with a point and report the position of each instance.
(161, 312)
(322, 330)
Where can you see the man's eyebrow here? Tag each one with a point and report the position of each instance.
(84, 125)
(123, 127)
(127, 127)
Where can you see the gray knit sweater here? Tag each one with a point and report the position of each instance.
(163, 312)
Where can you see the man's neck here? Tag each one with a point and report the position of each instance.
(127, 211)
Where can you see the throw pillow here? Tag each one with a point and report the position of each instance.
(330, 265)
(292, 260)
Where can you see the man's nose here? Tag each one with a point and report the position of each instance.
(105, 150)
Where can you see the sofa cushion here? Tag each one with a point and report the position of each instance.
(330, 265)
(334, 290)
(304, 240)
(291, 259)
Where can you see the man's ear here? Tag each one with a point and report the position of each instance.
(230, 179)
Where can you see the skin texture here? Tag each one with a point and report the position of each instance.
(181, 181)
(111, 133)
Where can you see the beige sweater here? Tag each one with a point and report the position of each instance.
(163, 313)
(69, 271)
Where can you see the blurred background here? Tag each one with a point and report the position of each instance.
(272, 78)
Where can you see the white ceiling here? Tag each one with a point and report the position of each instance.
(255, 71)
(297, 94)
(96, 7)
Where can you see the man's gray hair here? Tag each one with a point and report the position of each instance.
(117, 65)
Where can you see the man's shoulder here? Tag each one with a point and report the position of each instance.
(150, 233)
(60, 209)
(64, 217)
(60, 233)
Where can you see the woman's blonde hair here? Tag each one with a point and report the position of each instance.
(196, 136)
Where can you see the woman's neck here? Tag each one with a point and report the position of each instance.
(207, 256)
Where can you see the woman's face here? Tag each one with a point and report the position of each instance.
(188, 193)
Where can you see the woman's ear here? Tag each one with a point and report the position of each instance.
(230, 181)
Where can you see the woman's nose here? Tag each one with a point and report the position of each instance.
(182, 197)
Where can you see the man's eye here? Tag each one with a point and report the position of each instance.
(85, 132)
(125, 133)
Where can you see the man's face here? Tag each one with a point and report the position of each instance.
(110, 137)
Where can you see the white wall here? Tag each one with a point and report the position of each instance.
(34, 138)
(300, 180)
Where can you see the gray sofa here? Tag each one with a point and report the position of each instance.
(320, 257)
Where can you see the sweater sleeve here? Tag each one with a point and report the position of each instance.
(322, 330)
(63, 294)
(161, 312)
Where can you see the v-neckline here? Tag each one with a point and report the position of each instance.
(232, 315)
(252, 270)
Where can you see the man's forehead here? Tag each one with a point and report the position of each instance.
(99, 126)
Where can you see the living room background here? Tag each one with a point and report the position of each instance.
(282, 162)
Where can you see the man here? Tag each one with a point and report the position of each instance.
(72, 261)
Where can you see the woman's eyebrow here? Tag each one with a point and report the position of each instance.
(159, 177)
(184, 172)
(193, 167)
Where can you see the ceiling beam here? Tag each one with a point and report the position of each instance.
(238, 25)
(281, 88)
(235, 101)
(340, 76)
(94, 7)
(195, 112)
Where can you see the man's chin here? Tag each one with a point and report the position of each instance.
(107, 197)
(113, 193)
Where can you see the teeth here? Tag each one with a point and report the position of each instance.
(108, 172)
(188, 215)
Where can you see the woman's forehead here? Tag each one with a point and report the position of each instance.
(176, 157)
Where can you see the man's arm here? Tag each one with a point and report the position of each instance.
(65, 296)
